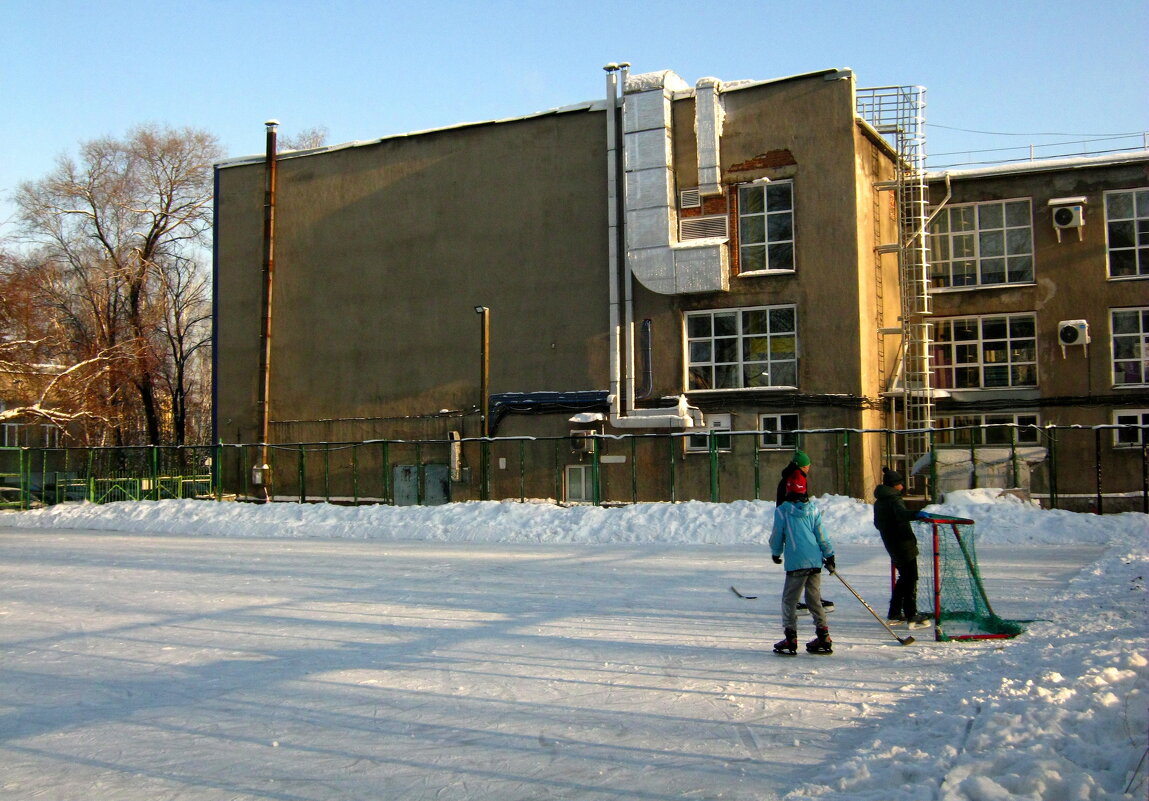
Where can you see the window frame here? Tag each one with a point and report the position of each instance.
(715, 423)
(1141, 418)
(776, 432)
(1139, 219)
(715, 337)
(585, 482)
(747, 220)
(956, 346)
(1142, 344)
(1026, 436)
(978, 235)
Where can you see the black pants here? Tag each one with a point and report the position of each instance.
(904, 601)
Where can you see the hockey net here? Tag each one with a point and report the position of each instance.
(951, 585)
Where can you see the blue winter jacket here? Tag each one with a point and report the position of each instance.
(798, 534)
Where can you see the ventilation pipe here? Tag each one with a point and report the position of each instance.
(623, 413)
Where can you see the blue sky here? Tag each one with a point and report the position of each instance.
(73, 70)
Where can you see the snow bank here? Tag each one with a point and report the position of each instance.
(1001, 519)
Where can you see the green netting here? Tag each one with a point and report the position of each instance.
(952, 587)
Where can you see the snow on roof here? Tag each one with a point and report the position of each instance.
(1042, 165)
(679, 88)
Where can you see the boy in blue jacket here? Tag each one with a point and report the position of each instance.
(798, 534)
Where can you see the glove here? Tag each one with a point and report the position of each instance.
(777, 559)
(831, 564)
(922, 516)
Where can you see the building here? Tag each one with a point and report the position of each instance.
(1039, 278)
(672, 261)
(724, 274)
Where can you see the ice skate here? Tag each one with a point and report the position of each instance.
(788, 646)
(822, 644)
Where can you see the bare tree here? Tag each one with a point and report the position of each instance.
(306, 139)
(119, 230)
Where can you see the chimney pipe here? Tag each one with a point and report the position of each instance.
(268, 274)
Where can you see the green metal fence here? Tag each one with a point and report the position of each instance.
(1103, 469)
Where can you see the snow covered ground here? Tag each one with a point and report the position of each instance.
(194, 650)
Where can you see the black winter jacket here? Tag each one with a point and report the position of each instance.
(892, 519)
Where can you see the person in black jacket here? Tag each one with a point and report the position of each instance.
(892, 519)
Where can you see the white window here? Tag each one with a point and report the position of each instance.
(715, 423)
(580, 483)
(1127, 233)
(742, 348)
(1130, 342)
(777, 432)
(11, 435)
(766, 227)
(997, 352)
(1130, 437)
(50, 436)
(988, 429)
(982, 244)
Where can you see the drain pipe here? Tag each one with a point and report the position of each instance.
(261, 473)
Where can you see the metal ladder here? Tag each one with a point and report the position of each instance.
(898, 114)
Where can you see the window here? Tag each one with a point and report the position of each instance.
(714, 423)
(777, 432)
(1127, 231)
(50, 436)
(580, 483)
(1130, 437)
(987, 429)
(982, 244)
(742, 348)
(985, 352)
(11, 435)
(766, 227)
(1130, 340)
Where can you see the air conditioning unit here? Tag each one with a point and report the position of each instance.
(1069, 217)
(581, 441)
(1068, 214)
(1072, 332)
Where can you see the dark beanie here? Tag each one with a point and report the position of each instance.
(891, 478)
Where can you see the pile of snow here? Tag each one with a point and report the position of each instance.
(1000, 519)
(1059, 713)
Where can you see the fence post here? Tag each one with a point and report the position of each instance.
(633, 468)
(388, 496)
(1013, 451)
(1052, 465)
(846, 462)
(934, 497)
(1097, 460)
(522, 471)
(596, 493)
(355, 473)
(1144, 472)
(558, 472)
(712, 441)
(301, 460)
(673, 470)
(757, 468)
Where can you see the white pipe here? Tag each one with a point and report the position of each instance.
(628, 305)
(612, 230)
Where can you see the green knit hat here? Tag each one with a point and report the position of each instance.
(801, 459)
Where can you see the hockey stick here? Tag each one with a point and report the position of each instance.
(894, 634)
(827, 605)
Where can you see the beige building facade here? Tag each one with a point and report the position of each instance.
(671, 259)
(1040, 289)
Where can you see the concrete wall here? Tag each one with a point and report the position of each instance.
(383, 251)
